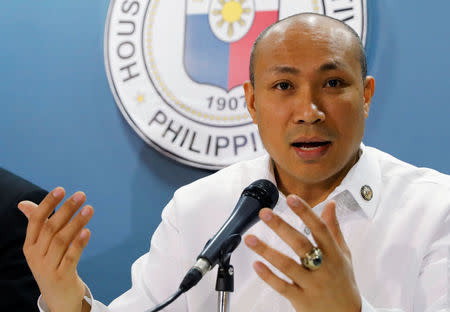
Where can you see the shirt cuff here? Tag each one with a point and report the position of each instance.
(365, 306)
(42, 305)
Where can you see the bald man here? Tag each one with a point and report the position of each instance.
(354, 228)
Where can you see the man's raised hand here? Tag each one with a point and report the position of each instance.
(332, 287)
(53, 247)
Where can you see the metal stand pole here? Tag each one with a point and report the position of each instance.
(223, 302)
(224, 283)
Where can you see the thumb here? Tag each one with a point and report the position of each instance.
(26, 207)
(329, 217)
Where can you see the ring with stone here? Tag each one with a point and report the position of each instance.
(313, 259)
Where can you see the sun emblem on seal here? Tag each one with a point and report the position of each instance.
(231, 14)
(231, 20)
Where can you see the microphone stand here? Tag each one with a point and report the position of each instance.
(224, 283)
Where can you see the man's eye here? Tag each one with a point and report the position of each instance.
(333, 83)
(283, 85)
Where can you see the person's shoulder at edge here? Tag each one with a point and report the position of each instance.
(15, 189)
(19, 288)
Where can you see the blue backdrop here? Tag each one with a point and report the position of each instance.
(60, 126)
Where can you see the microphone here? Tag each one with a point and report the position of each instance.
(259, 194)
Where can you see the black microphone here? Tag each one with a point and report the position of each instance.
(260, 194)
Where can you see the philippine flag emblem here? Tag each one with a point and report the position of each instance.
(219, 37)
(176, 69)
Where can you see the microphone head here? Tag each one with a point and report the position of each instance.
(264, 191)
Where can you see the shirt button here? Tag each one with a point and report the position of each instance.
(307, 230)
(366, 192)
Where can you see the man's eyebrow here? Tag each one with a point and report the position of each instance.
(284, 69)
(330, 66)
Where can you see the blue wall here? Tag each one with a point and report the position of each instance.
(59, 124)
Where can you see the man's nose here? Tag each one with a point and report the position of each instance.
(306, 110)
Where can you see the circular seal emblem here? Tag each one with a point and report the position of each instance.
(176, 69)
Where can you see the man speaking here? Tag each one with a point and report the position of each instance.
(354, 228)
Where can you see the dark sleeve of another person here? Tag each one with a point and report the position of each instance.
(18, 290)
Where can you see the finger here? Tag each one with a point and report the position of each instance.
(59, 220)
(297, 241)
(39, 215)
(72, 256)
(285, 264)
(284, 288)
(26, 207)
(330, 218)
(319, 229)
(62, 241)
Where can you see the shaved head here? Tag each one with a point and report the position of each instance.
(322, 25)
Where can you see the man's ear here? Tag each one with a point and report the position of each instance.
(250, 99)
(369, 90)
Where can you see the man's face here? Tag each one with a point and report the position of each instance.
(309, 101)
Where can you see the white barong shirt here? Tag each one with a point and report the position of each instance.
(399, 240)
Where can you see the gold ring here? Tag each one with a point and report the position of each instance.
(313, 259)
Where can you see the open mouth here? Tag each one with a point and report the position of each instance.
(311, 151)
(310, 145)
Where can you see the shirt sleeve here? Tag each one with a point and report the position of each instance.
(96, 306)
(366, 307)
(432, 293)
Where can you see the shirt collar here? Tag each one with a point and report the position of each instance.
(364, 175)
